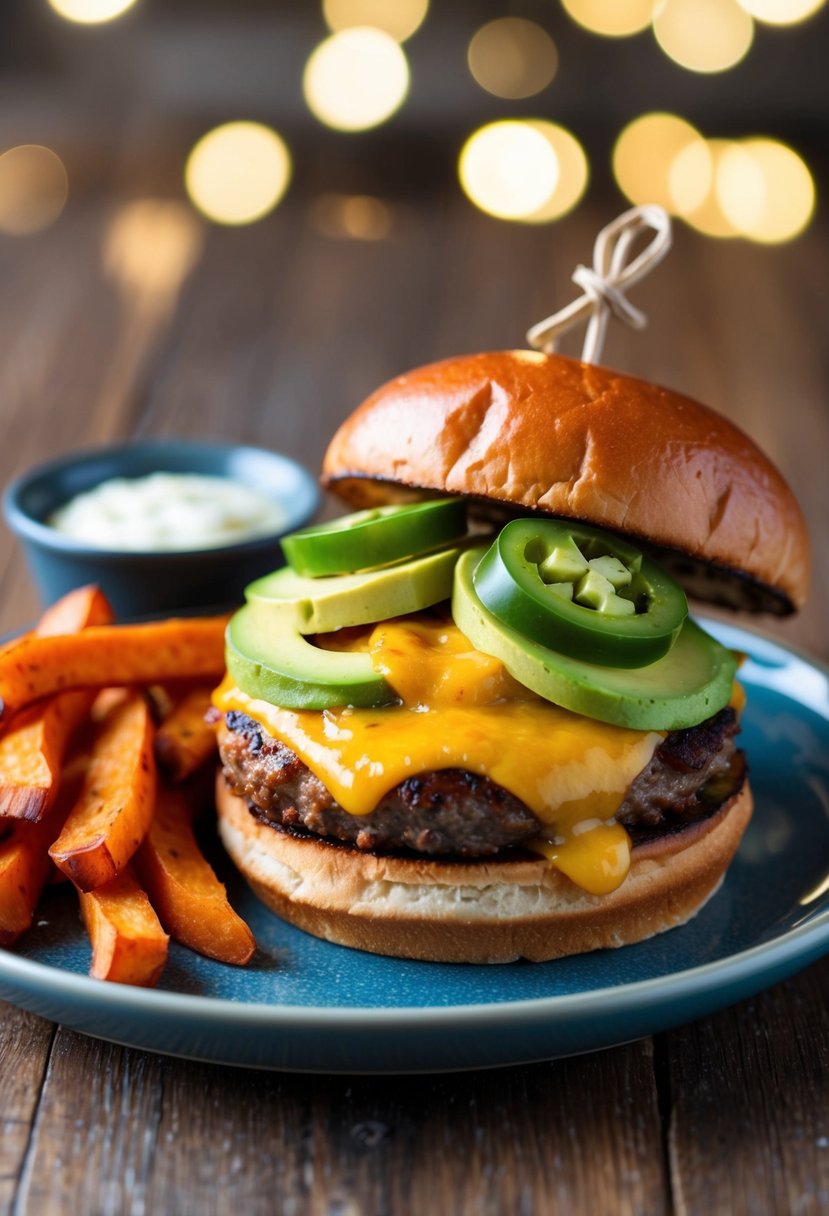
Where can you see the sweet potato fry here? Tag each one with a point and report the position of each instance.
(129, 945)
(24, 868)
(32, 752)
(105, 655)
(187, 895)
(10, 643)
(161, 700)
(77, 610)
(24, 859)
(110, 818)
(33, 748)
(184, 741)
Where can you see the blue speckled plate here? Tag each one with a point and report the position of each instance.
(304, 1005)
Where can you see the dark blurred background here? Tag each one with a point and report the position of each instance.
(124, 99)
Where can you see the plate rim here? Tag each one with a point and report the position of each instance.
(690, 981)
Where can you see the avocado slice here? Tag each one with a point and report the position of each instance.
(269, 658)
(686, 686)
(341, 601)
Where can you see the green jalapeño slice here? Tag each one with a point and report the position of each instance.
(376, 537)
(689, 684)
(582, 592)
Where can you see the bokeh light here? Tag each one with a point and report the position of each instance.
(644, 155)
(33, 189)
(356, 79)
(356, 217)
(150, 247)
(690, 177)
(756, 188)
(573, 172)
(238, 172)
(400, 18)
(509, 170)
(703, 35)
(91, 12)
(512, 58)
(613, 18)
(709, 218)
(781, 12)
(765, 190)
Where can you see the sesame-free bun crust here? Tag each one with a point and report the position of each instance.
(476, 912)
(538, 432)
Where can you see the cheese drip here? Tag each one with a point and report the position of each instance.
(461, 709)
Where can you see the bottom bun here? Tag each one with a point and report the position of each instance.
(476, 912)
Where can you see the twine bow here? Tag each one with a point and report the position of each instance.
(605, 282)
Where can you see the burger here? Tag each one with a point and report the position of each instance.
(472, 721)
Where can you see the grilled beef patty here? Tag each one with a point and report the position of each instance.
(456, 812)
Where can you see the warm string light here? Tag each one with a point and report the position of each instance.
(755, 189)
(508, 169)
(356, 79)
(612, 18)
(644, 154)
(699, 35)
(765, 189)
(708, 217)
(690, 175)
(527, 170)
(399, 18)
(573, 172)
(33, 189)
(150, 247)
(238, 172)
(759, 189)
(356, 217)
(781, 12)
(704, 35)
(512, 58)
(91, 12)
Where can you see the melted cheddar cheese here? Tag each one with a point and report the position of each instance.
(461, 709)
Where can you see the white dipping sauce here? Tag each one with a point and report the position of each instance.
(167, 511)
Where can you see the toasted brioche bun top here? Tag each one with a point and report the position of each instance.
(519, 430)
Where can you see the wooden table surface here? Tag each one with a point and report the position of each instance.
(133, 321)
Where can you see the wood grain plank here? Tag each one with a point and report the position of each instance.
(24, 1052)
(287, 329)
(59, 334)
(749, 1092)
(554, 1137)
(96, 1131)
(121, 1132)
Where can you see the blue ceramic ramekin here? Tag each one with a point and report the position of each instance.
(142, 583)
